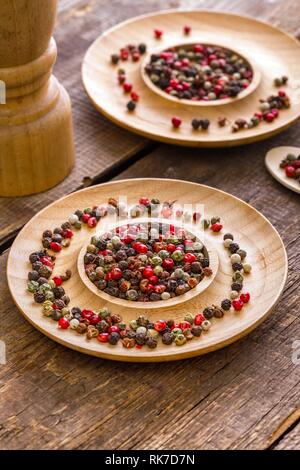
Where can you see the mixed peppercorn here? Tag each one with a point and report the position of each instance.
(176, 264)
(199, 72)
(291, 166)
(146, 262)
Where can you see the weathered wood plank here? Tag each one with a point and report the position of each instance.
(291, 441)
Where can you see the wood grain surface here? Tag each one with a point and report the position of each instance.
(244, 396)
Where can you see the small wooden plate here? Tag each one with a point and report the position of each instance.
(252, 231)
(272, 161)
(210, 253)
(271, 52)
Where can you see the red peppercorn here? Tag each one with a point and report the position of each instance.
(108, 277)
(269, 117)
(171, 247)
(237, 304)
(245, 297)
(153, 279)
(282, 93)
(116, 274)
(87, 314)
(135, 56)
(290, 171)
(148, 272)
(198, 48)
(158, 33)
(58, 280)
(124, 54)
(134, 96)
(85, 218)
(275, 112)
(199, 319)
(179, 213)
(140, 247)
(127, 239)
(144, 201)
(189, 258)
(113, 329)
(127, 87)
(103, 337)
(47, 262)
(68, 233)
(63, 323)
(54, 246)
(184, 325)
(92, 222)
(121, 79)
(216, 227)
(168, 264)
(150, 288)
(160, 325)
(94, 319)
(187, 29)
(176, 122)
(258, 115)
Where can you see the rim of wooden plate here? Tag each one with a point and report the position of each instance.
(66, 338)
(272, 161)
(256, 78)
(216, 137)
(180, 299)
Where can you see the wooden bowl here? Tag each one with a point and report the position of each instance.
(272, 53)
(272, 161)
(251, 229)
(243, 94)
(210, 253)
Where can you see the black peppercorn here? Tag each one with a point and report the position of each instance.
(205, 123)
(233, 247)
(42, 280)
(113, 338)
(208, 312)
(33, 258)
(39, 297)
(33, 276)
(58, 292)
(196, 330)
(140, 338)
(236, 286)
(114, 59)
(151, 343)
(142, 48)
(167, 338)
(237, 266)
(195, 124)
(56, 315)
(47, 234)
(226, 304)
(131, 105)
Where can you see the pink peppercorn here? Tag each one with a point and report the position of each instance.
(269, 117)
(134, 96)
(127, 87)
(290, 171)
(124, 54)
(92, 222)
(158, 33)
(160, 325)
(47, 262)
(187, 29)
(54, 246)
(176, 122)
(144, 201)
(168, 263)
(63, 323)
(103, 337)
(237, 305)
(199, 319)
(282, 94)
(245, 297)
(85, 218)
(68, 233)
(216, 227)
(58, 280)
(116, 274)
(113, 329)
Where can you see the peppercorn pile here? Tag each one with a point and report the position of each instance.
(291, 166)
(146, 262)
(199, 72)
(48, 290)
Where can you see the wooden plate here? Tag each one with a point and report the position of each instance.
(272, 161)
(271, 52)
(254, 233)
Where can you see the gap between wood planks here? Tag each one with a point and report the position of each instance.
(103, 177)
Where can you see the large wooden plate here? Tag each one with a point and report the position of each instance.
(272, 53)
(255, 234)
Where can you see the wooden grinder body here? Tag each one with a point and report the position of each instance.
(36, 137)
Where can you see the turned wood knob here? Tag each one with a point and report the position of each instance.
(36, 138)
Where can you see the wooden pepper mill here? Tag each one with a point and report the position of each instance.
(36, 137)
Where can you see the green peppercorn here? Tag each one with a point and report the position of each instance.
(247, 268)
(133, 324)
(237, 277)
(177, 331)
(180, 339)
(189, 317)
(32, 286)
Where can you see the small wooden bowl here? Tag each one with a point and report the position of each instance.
(210, 253)
(272, 161)
(204, 104)
(253, 232)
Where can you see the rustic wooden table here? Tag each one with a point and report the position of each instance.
(246, 396)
